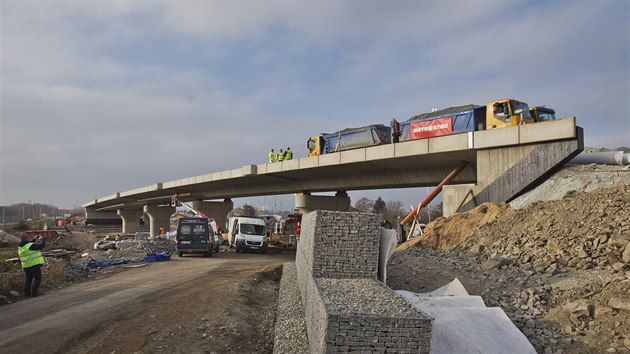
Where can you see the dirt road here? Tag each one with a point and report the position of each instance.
(223, 304)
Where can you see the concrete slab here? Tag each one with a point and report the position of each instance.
(550, 130)
(448, 143)
(308, 162)
(411, 148)
(496, 137)
(380, 152)
(350, 156)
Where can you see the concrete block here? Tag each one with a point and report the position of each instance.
(249, 170)
(290, 165)
(274, 167)
(356, 155)
(261, 169)
(216, 176)
(380, 152)
(496, 137)
(409, 148)
(329, 159)
(448, 143)
(207, 177)
(308, 162)
(550, 130)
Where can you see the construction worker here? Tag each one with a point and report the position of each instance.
(396, 133)
(288, 154)
(280, 155)
(32, 260)
(272, 156)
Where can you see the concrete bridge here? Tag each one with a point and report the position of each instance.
(503, 163)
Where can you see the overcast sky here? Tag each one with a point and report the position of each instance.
(104, 97)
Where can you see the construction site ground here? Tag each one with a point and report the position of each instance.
(194, 304)
(559, 266)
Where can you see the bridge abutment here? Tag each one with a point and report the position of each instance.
(159, 215)
(504, 173)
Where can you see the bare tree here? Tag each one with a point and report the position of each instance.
(364, 205)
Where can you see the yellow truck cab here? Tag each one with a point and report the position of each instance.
(542, 113)
(507, 113)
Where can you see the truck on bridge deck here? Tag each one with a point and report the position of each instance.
(453, 120)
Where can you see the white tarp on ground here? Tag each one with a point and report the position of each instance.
(463, 323)
(389, 240)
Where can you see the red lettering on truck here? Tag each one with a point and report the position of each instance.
(431, 128)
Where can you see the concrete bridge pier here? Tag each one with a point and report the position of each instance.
(216, 210)
(159, 215)
(130, 220)
(93, 217)
(307, 202)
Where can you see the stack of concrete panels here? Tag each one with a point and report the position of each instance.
(346, 308)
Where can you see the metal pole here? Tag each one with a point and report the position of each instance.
(435, 191)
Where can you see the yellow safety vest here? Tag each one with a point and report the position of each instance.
(288, 155)
(272, 156)
(30, 258)
(280, 156)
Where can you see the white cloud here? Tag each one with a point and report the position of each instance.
(118, 92)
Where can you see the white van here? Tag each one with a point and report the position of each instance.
(247, 234)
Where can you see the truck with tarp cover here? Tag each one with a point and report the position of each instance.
(350, 138)
(501, 113)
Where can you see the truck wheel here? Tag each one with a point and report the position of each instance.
(209, 253)
(180, 254)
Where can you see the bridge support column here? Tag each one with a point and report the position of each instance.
(505, 173)
(93, 217)
(130, 220)
(158, 216)
(216, 210)
(307, 203)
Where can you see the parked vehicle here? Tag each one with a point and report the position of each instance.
(542, 113)
(453, 120)
(247, 234)
(194, 235)
(347, 139)
(217, 238)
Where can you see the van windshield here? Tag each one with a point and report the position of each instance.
(249, 229)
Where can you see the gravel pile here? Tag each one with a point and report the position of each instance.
(290, 327)
(365, 297)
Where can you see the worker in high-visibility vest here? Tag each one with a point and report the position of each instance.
(272, 156)
(280, 155)
(32, 260)
(288, 154)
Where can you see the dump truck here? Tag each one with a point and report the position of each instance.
(453, 120)
(460, 119)
(542, 113)
(347, 139)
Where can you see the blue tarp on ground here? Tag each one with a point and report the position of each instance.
(99, 263)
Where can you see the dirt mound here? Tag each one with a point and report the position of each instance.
(560, 269)
(446, 233)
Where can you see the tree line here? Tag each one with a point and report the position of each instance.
(394, 211)
(25, 211)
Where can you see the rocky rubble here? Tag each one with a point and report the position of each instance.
(559, 269)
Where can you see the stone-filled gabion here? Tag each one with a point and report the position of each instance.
(346, 308)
